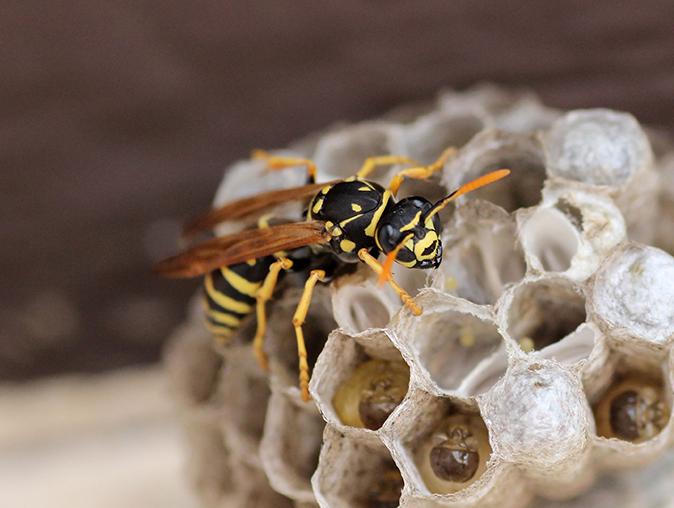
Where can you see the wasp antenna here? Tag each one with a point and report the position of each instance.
(471, 186)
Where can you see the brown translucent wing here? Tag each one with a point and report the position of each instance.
(240, 247)
(247, 206)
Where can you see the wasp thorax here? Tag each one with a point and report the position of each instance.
(371, 393)
(386, 492)
(633, 410)
(455, 454)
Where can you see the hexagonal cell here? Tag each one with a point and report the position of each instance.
(442, 447)
(527, 115)
(429, 135)
(543, 312)
(509, 110)
(341, 154)
(633, 409)
(492, 150)
(359, 303)
(596, 146)
(552, 238)
(486, 98)
(481, 254)
(632, 297)
(571, 232)
(538, 418)
(455, 454)
(243, 396)
(193, 365)
(450, 340)
(290, 447)
(353, 475)
(359, 381)
(281, 342)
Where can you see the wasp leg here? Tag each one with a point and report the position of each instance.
(264, 294)
(298, 321)
(372, 163)
(275, 162)
(421, 172)
(376, 266)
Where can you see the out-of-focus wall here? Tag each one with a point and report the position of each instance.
(118, 117)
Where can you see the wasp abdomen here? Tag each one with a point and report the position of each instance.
(230, 294)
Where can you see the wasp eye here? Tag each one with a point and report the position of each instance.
(388, 238)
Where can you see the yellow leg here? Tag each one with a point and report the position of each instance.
(421, 172)
(298, 321)
(370, 261)
(263, 295)
(372, 163)
(275, 162)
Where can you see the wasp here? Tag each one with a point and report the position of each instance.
(346, 221)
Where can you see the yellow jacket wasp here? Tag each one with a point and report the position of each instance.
(346, 221)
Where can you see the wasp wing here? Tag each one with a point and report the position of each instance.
(240, 247)
(247, 206)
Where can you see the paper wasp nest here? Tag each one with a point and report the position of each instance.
(543, 356)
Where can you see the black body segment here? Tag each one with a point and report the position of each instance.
(406, 218)
(230, 294)
(351, 210)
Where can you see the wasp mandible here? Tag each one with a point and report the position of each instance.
(346, 221)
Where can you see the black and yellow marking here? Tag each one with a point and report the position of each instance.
(362, 219)
(230, 294)
(351, 210)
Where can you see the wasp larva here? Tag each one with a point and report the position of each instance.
(632, 410)
(455, 454)
(371, 393)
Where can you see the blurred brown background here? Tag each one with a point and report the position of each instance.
(118, 117)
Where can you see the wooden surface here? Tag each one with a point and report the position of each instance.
(118, 117)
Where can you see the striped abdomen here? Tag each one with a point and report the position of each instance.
(230, 294)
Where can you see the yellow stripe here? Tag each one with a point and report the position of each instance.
(369, 230)
(224, 318)
(224, 301)
(219, 331)
(352, 218)
(412, 223)
(423, 243)
(317, 206)
(243, 286)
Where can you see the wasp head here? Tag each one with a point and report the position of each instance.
(423, 247)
